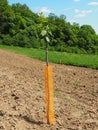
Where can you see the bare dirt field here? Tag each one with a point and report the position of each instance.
(22, 95)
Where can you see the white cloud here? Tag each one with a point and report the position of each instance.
(67, 9)
(77, 10)
(82, 13)
(45, 10)
(93, 3)
(76, 0)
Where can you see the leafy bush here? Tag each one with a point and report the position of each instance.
(95, 49)
(7, 40)
(75, 50)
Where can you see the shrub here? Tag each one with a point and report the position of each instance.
(7, 40)
(75, 50)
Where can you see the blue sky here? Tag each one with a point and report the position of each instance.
(79, 11)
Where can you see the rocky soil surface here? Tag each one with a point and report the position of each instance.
(22, 95)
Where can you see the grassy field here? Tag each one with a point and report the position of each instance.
(83, 60)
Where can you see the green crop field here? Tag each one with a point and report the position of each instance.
(83, 60)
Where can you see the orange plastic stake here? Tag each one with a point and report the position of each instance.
(49, 94)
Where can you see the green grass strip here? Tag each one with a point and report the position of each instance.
(82, 60)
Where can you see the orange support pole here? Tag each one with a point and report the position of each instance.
(49, 94)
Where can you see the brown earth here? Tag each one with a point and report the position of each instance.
(22, 95)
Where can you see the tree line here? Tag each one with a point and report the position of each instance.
(19, 26)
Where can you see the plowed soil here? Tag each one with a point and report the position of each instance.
(22, 95)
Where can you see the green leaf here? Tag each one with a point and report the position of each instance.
(47, 39)
(50, 33)
(43, 33)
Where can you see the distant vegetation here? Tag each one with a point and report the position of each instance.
(83, 60)
(19, 26)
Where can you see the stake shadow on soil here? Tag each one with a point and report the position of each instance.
(27, 119)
